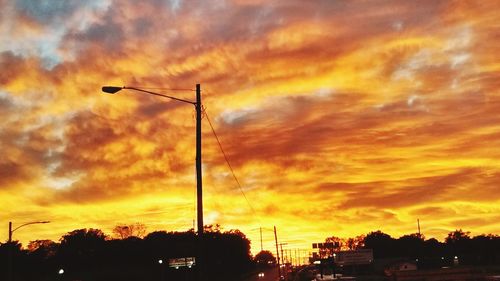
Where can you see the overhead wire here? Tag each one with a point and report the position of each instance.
(227, 162)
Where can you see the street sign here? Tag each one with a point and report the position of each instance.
(182, 262)
(362, 256)
(326, 245)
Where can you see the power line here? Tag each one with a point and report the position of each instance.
(227, 161)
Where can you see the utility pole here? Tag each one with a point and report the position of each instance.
(10, 231)
(199, 186)
(418, 225)
(282, 256)
(261, 247)
(296, 260)
(277, 252)
(283, 261)
(9, 256)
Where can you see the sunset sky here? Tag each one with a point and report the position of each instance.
(338, 117)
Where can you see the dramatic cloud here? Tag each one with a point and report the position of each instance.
(338, 117)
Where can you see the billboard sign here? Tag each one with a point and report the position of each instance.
(362, 256)
(182, 262)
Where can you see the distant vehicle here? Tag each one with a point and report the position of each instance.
(327, 277)
(261, 275)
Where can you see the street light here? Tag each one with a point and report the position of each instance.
(12, 230)
(199, 189)
(333, 264)
(9, 261)
(162, 273)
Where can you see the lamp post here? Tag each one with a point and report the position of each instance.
(162, 270)
(12, 230)
(199, 189)
(9, 261)
(60, 274)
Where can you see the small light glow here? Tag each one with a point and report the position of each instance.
(160, 261)
(61, 271)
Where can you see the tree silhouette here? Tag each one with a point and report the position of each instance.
(88, 254)
(44, 247)
(382, 244)
(229, 250)
(487, 247)
(457, 236)
(355, 243)
(410, 245)
(126, 231)
(80, 251)
(336, 245)
(265, 258)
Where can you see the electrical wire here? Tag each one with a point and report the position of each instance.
(227, 161)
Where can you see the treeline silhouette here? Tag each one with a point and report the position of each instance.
(89, 254)
(458, 248)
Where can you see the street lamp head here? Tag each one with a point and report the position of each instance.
(111, 89)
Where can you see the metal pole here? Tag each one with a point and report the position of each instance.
(282, 260)
(9, 258)
(333, 266)
(277, 252)
(10, 231)
(199, 189)
(418, 224)
(296, 258)
(261, 247)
